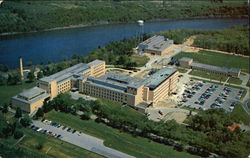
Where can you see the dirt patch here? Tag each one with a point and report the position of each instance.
(192, 49)
(177, 116)
(165, 104)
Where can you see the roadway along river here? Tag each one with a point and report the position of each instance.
(61, 44)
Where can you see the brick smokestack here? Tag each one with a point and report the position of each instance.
(21, 67)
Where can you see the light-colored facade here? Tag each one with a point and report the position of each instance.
(30, 100)
(185, 62)
(156, 45)
(61, 82)
(129, 90)
(92, 79)
(188, 63)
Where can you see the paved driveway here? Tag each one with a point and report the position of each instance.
(84, 141)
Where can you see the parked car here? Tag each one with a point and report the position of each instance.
(160, 112)
(64, 127)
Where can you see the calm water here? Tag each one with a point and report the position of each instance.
(61, 44)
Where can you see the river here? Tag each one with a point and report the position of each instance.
(58, 45)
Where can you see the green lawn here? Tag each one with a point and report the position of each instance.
(59, 148)
(8, 91)
(181, 70)
(240, 115)
(136, 146)
(248, 83)
(207, 75)
(235, 81)
(141, 61)
(218, 59)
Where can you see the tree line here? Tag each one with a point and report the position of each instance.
(25, 16)
(234, 39)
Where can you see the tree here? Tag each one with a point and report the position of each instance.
(18, 134)
(4, 68)
(39, 74)
(25, 121)
(8, 130)
(40, 112)
(39, 146)
(18, 113)
(13, 79)
(5, 108)
(31, 76)
(85, 116)
(2, 80)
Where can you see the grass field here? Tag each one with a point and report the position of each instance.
(239, 114)
(211, 76)
(218, 59)
(141, 61)
(234, 81)
(248, 83)
(8, 91)
(136, 146)
(58, 148)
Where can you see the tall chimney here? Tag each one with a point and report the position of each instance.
(21, 67)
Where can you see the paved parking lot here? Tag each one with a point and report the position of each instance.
(82, 140)
(208, 95)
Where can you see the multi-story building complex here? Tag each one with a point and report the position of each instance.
(130, 90)
(156, 45)
(55, 84)
(63, 81)
(188, 63)
(91, 79)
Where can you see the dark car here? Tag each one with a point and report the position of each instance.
(64, 127)
(74, 131)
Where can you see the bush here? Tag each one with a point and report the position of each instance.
(85, 116)
(25, 121)
(39, 146)
(18, 134)
(40, 112)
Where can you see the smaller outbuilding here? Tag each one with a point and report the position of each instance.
(188, 63)
(156, 45)
(30, 100)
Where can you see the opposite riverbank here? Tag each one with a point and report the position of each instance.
(35, 16)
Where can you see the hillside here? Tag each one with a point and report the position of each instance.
(25, 16)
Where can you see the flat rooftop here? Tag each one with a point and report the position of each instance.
(66, 73)
(161, 46)
(121, 79)
(152, 40)
(215, 68)
(31, 95)
(31, 92)
(117, 81)
(160, 76)
(185, 59)
(95, 62)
